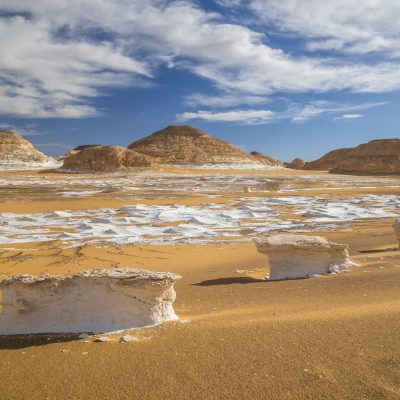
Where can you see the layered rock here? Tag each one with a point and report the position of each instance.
(16, 151)
(375, 157)
(267, 160)
(302, 256)
(396, 227)
(329, 160)
(185, 145)
(91, 301)
(297, 163)
(104, 158)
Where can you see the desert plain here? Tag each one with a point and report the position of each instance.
(238, 335)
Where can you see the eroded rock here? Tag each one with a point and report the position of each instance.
(301, 256)
(91, 301)
(104, 158)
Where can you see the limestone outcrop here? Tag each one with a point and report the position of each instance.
(329, 160)
(104, 158)
(186, 145)
(301, 256)
(16, 151)
(91, 301)
(377, 157)
(396, 227)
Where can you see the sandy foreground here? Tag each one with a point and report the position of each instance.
(239, 336)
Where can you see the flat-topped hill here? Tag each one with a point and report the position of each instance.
(375, 157)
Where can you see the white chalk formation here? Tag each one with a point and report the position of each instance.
(396, 227)
(302, 256)
(91, 301)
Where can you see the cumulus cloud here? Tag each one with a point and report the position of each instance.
(57, 55)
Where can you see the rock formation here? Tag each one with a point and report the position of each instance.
(375, 157)
(91, 301)
(301, 256)
(77, 150)
(267, 160)
(185, 145)
(328, 161)
(17, 151)
(297, 163)
(104, 158)
(396, 227)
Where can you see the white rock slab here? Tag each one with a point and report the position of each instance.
(91, 301)
(396, 227)
(301, 256)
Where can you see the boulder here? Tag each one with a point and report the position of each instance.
(91, 301)
(104, 158)
(301, 256)
(396, 227)
(186, 145)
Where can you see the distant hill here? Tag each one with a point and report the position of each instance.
(377, 157)
(329, 160)
(186, 145)
(380, 157)
(17, 151)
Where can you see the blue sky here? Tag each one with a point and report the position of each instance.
(288, 78)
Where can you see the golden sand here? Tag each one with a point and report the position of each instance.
(239, 337)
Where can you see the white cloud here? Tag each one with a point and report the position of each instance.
(62, 53)
(349, 117)
(223, 100)
(252, 117)
(299, 114)
(347, 25)
(296, 113)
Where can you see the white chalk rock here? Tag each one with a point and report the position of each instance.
(91, 301)
(396, 227)
(301, 256)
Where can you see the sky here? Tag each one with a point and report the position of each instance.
(289, 78)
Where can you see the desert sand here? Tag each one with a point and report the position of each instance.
(238, 336)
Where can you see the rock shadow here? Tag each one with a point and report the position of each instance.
(378, 250)
(14, 342)
(229, 281)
